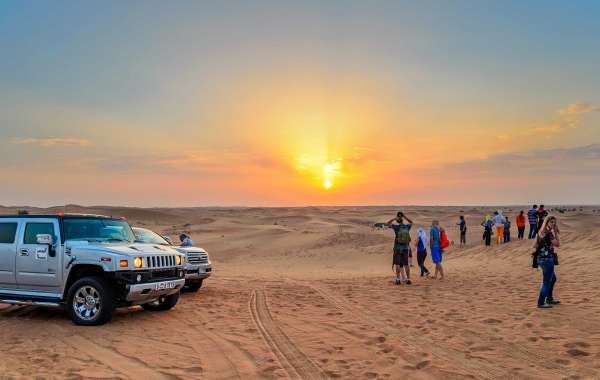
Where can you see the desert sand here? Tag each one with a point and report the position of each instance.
(307, 293)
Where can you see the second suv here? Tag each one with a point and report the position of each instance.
(197, 263)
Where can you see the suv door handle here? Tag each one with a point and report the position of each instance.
(24, 252)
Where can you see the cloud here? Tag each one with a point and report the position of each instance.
(570, 115)
(579, 161)
(578, 109)
(52, 141)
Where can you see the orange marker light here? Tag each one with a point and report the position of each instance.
(123, 263)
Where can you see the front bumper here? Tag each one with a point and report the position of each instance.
(197, 272)
(142, 293)
(151, 285)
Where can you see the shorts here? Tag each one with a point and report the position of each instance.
(436, 255)
(400, 255)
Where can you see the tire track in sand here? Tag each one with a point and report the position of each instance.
(127, 366)
(294, 362)
(222, 359)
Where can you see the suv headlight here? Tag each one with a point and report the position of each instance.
(138, 262)
(178, 259)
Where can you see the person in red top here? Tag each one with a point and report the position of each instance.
(521, 224)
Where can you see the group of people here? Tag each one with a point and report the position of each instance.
(542, 227)
(502, 225)
(401, 260)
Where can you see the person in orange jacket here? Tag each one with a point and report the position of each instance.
(521, 224)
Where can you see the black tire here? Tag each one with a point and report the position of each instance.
(163, 303)
(91, 313)
(193, 286)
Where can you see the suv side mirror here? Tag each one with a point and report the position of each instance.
(48, 240)
(44, 239)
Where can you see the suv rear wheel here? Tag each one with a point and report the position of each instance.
(90, 301)
(162, 303)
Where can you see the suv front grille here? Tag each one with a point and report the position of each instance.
(160, 261)
(159, 274)
(197, 258)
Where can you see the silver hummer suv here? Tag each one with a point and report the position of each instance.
(197, 263)
(89, 264)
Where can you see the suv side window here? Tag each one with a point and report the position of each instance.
(7, 233)
(33, 229)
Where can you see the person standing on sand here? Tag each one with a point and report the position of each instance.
(499, 224)
(436, 249)
(401, 245)
(462, 226)
(521, 225)
(506, 229)
(546, 241)
(532, 216)
(487, 230)
(422, 251)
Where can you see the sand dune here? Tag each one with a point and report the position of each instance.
(307, 293)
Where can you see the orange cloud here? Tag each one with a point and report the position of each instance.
(571, 114)
(52, 141)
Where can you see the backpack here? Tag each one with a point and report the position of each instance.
(444, 242)
(403, 236)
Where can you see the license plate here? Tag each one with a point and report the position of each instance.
(165, 285)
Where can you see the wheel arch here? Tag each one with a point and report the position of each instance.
(79, 271)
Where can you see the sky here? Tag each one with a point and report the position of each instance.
(287, 103)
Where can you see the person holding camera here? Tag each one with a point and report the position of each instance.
(401, 247)
(545, 257)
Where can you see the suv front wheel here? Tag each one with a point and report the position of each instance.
(90, 301)
(193, 285)
(162, 303)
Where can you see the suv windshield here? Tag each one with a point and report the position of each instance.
(149, 237)
(98, 230)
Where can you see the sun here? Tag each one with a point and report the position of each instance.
(327, 184)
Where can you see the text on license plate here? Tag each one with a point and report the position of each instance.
(164, 285)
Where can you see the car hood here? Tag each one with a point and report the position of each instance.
(123, 249)
(190, 250)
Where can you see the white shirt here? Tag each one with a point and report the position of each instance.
(499, 220)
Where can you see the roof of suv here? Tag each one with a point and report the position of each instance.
(61, 216)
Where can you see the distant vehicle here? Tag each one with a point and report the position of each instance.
(89, 264)
(197, 263)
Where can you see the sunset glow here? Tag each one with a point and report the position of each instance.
(247, 105)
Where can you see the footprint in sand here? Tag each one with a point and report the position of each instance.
(492, 321)
(333, 375)
(194, 369)
(576, 344)
(575, 352)
(423, 364)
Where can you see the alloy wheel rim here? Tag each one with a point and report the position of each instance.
(87, 303)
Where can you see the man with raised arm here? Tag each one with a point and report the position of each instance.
(401, 247)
